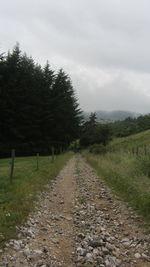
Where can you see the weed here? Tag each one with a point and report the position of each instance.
(126, 174)
(81, 199)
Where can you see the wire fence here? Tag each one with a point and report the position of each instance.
(134, 150)
(8, 165)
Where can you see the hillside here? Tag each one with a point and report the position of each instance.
(140, 139)
(130, 126)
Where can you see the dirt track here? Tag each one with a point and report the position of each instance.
(79, 223)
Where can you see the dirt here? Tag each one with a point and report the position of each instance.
(70, 215)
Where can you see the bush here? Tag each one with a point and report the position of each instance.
(75, 146)
(97, 149)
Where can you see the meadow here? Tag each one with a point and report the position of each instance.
(128, 143)
(17, 198)
(127, 173)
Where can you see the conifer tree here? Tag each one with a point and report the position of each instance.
(38, 108)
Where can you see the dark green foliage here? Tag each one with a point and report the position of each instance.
(130, 126)
(38, 108)
(75, 146)
(97, 149)
(102, 134)
(66, 114)
(94, 133)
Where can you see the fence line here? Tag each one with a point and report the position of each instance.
(136, 150)
(11, 163)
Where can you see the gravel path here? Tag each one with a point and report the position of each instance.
(78, 222)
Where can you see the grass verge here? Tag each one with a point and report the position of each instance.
(17, 199)
(140, 140)
(125, 174)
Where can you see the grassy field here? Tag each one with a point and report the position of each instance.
(139, 140)
(126, 173)
(17, 199)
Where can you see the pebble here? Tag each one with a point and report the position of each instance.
(137, 255)
(81, 251)
(101, 238)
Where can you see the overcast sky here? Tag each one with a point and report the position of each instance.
(104, 45)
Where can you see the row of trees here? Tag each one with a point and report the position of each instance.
(38, 107)
(130, 126)
(94, 132)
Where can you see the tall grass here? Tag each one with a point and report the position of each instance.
(127, 175)
(139, 140)
(17, 199)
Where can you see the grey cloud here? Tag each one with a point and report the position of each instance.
(109, 36)
(117, 93)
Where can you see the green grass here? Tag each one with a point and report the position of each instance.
(127, 174)
(137, 140)
(17, 199)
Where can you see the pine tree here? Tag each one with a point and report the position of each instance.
(38, 108)
(65, 108)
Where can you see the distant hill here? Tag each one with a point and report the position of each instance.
(111, 116)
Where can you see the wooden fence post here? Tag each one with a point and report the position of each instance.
(12, 164)
(37, 161)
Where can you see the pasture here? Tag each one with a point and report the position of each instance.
(17, 198)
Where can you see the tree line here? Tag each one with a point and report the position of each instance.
(94, 133)
(130, 126)
(38, 107)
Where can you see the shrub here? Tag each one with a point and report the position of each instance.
(97, 149)
(75, 146)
